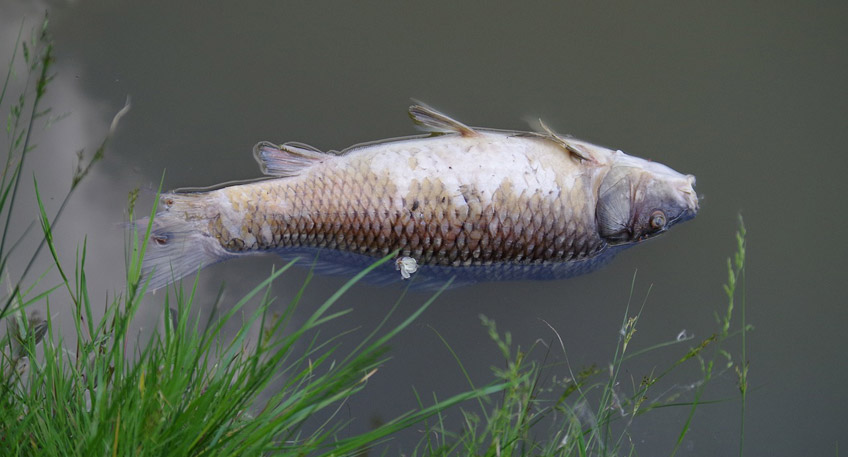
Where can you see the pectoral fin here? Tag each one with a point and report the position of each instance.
(289, 159)
(438, 122)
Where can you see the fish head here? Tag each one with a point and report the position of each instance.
(639, 199)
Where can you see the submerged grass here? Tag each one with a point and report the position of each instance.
(191, 390)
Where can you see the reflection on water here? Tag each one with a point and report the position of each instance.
(750, 101)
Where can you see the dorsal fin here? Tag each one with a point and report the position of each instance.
(575, 149)
(288, 159)
(438, 122)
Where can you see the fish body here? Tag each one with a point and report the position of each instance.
(478, 204)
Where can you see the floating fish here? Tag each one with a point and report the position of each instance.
(470, 203)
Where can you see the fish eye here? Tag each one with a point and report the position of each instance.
(657, 220)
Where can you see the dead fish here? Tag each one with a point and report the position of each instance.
(471, 203)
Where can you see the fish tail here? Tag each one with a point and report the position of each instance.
(179, 243)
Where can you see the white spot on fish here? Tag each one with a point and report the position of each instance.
(407, 266)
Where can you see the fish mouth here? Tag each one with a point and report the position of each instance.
(684, 216)
(691, 210)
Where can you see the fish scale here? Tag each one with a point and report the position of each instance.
(475, 203)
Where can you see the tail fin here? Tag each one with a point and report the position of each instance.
(179, 244)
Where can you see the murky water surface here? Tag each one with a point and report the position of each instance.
(751, 100)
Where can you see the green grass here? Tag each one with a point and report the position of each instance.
(192, 390)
